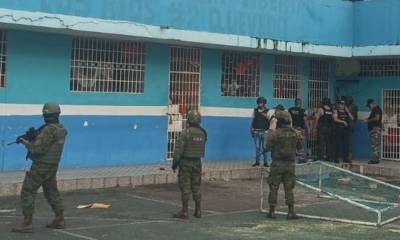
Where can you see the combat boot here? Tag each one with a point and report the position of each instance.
(58, 222)
(257, 164)
(291, 214)
(26, 226)
(197, 209)
(271, 214)
(183, 214)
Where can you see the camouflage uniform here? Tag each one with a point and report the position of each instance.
(375, 135)
(45, 152)
(283, 143)
(187, 156)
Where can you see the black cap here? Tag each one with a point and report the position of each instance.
(280, 107)
(369, 101)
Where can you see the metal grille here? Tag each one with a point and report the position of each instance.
(318, 84)
(240, 75)
(184, 90)
(318, 89)
(287, 77)
(101, 65)
(3, 58)
(391, 124)
(380, 67)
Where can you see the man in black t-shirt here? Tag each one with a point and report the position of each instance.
(259, 130)
(374, 122)
(298, 122)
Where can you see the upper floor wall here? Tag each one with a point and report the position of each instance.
(377, 22)
(325, 22)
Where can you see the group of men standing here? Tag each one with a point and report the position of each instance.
(283, 133)
(333, 124)
(279, 131)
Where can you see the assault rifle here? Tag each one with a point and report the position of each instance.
(30, 136)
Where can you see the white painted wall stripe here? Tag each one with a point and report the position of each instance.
(226, 112)
(371, 51)
(100, 110)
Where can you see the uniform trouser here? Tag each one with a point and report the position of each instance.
(260, 138)
(40, 176)
(190, 178)
(281, 172)
(342, 137)
(325, 145)
(375, 135)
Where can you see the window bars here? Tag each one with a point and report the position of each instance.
(318, 84)
(318, 89)
(391, 124)
(380, 67)
(240, 74)
(287, 77)
(184, 90)
(3, 58)
(102, 65)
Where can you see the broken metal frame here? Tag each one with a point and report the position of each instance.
(322, 193)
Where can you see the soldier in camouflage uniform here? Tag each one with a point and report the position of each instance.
(189, 150)
(374, 123)
(283, 142)
(45, 152)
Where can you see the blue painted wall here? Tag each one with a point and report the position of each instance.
(363, 88)
(38, 70)
(377, 22)
(106, 141)
(314, 21)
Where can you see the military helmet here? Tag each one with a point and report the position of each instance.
(261, 100)
(284, 117)
(51, 108)
(194, 117)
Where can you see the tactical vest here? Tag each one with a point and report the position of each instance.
(53, 155)
(260, 121)
(284, 148)
(195, 143)
(326, 119)
(297, 117)
(344, 116)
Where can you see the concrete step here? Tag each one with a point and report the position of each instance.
(131, 176)
(390, 170)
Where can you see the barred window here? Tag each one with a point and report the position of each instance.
(287, 77)
(318, 84)
(240, 75)
(3, 58)
(101, 65)
(380, 67)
